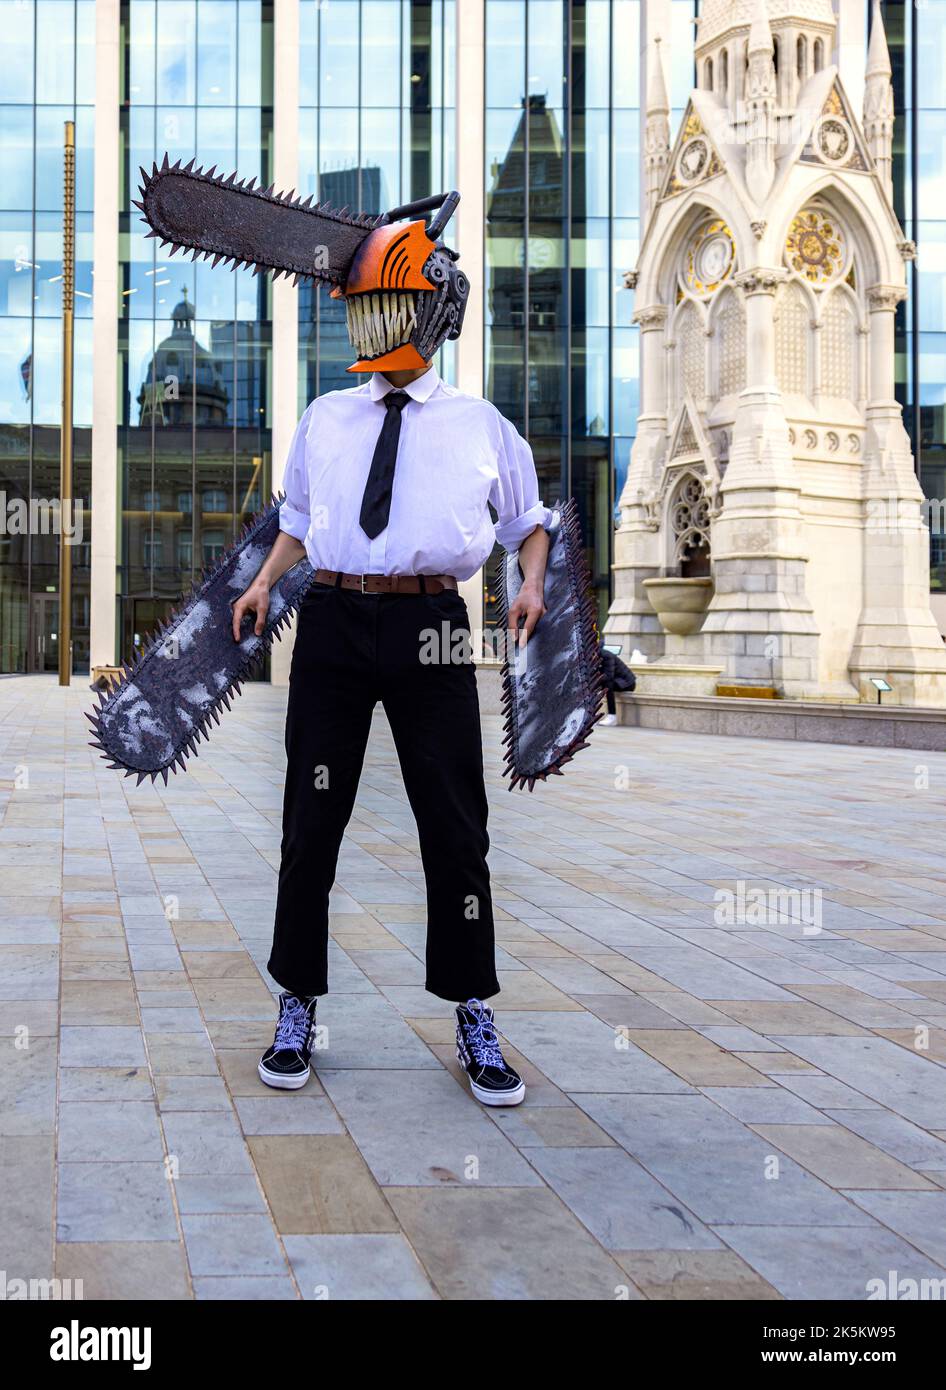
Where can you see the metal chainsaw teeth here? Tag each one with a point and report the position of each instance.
(246, 667)
(246, 187)
(290, 200)
(589, 662)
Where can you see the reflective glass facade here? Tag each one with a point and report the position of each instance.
(919, 179)
(46, 57)
(562, 149)
(194, 342)
(561, 355)
(377, 125)
(376, 129)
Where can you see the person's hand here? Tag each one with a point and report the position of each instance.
(524, 612)
(254, 600)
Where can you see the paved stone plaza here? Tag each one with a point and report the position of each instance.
(721, 1104)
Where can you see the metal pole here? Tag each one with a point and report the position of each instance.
(65, 451)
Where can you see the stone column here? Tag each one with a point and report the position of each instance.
(105, 498)
(760, 620)
(897, 637)
(285, 358)
(638, 551)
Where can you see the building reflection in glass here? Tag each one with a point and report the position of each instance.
(562, 124)
(194, 433)
(46, 53)
(376, 128)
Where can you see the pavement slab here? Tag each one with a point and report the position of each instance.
(718, 1105)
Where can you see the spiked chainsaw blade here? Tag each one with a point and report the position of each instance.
(223, 219)
(552, 687)
(152, 721)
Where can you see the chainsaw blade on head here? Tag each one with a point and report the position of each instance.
(552, 687)
(226, 219)
(151, 722)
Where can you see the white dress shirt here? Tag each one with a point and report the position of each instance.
(456, 453)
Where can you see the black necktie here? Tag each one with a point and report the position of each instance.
(376, 503)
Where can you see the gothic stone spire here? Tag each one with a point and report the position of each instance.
(760, 106)
(878, 101)
(656, 132)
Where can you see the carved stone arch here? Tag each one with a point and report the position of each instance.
(660, 285)
(839, 343)
(728, 329)
(869, 251)
(795, 316)
(689, 338)
(688, 520)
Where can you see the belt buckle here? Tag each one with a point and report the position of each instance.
(363, 589)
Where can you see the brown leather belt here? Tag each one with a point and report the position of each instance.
(388, 583)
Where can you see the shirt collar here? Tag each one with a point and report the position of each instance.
(420, 390)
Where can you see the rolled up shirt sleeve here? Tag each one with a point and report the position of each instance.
(294, 516)
(515, 493)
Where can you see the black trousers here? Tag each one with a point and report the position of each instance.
(352, 650)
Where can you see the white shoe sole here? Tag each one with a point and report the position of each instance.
(515, 1097)
(280, 1082)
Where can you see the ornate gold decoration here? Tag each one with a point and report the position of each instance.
(815, 246)
(834, 105)
(711, 257)
(832, 140)
(696, 159)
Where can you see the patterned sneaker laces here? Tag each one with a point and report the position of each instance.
(292, 1030)
(481, 1036)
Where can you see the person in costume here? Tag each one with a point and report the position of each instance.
(388, 489)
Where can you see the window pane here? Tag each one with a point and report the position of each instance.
(176, 32)
(16, 157)
(338, 53)
(216, 53)
(17, 52)
(505, 45)
(55, 69)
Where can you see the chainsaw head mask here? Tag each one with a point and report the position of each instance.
(404, 297)
(403, 290)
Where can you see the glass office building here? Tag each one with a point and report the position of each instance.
(187, 431)
(46, 57)
(919, 178)
(376, 129)
(194, 449)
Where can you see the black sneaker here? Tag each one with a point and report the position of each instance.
(492, 1080)
(286, 1064)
